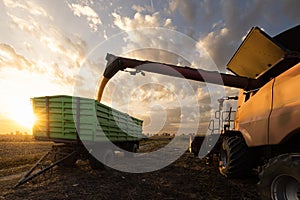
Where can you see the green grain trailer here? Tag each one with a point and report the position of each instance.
(69, 119)
(80, 127)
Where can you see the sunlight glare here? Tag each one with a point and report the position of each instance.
(22, 114)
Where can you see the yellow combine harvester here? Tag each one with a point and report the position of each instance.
(266, 129)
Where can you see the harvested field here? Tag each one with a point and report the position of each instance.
(187, 178)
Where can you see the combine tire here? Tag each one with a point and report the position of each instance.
(280, 178)
(233, 160)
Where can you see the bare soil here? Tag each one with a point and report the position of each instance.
(187, 178)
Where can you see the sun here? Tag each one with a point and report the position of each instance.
(22, 114)
(25, 119)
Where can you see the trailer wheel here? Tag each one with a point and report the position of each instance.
(135, 148)
(60, 151)
(233, 159)
(70, 162)
(280, 178)
(95, 164)
(132, 149)
(108, 158)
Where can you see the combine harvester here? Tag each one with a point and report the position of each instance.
(265, 132)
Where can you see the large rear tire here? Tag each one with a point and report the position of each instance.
(280, 178)
(233, 159)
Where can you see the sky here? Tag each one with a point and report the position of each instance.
(58, 48)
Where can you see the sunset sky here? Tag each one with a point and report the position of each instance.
(58, 47)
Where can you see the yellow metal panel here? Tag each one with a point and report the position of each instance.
(253, 115)
(286, 105)
(255, 55)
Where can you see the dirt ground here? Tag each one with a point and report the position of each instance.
(187, 178)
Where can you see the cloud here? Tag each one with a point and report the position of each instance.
(291, 9)
(209, 20)
(9, 58)
(72, 48)
(29, 6)
(141, 21)
(50, 50)
(187, 8)
(177, 97)
(140, 9)
(59, 75)
(90, 14)
(165, 103)
(215, 43)
(28, 25)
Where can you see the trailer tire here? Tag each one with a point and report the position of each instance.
(132, 149)
(69, 162)
(108, 158)
(280, 178)
(60, 151)
(95, 163)
(233, 159)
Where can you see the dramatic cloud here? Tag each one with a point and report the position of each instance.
(29, 25)
(73, 49)
(37, 58)
(65, 52)
(33, 8)
(9, 58)
(187, 8)
(146, 8)
(46, 43)
(215, 43)
(141, 21)
(171, 94)
(220, 26)
(86, 11)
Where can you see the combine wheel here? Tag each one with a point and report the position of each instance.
(280, 178)
(233, 160)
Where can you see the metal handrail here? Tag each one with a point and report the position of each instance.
(226, 116)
